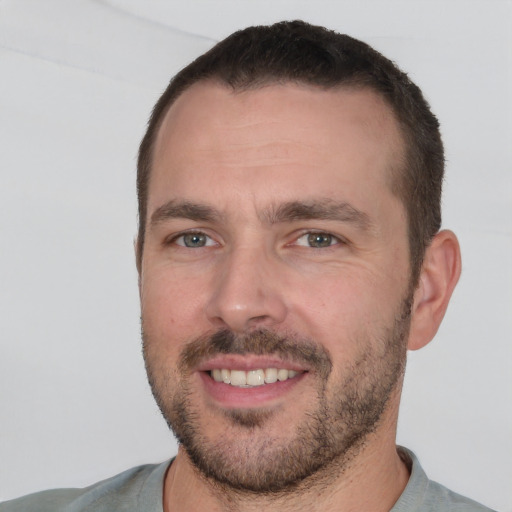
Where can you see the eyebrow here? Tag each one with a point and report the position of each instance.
(324, 209)
(318, 209)
(184, 210)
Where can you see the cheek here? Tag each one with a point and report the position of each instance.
(344, 297)
(346, 313)
(170, 310)
(170, 297)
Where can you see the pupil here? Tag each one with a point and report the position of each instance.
(194, 240)
(319, 240)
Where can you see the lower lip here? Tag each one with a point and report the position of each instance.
(258, 396)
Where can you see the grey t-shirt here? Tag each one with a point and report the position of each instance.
(141, 489)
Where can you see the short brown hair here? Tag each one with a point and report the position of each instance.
(297, 52)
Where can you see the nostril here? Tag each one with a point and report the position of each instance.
(259, 320)
(244, 297)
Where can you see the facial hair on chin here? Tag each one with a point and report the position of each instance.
(331, 431)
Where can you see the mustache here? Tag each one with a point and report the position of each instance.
(260, 342)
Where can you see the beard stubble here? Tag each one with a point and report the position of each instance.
(331, 433)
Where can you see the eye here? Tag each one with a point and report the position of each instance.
(317, 240)
(194, 240)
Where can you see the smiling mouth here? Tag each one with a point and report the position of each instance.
(252, 378)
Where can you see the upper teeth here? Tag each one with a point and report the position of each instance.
(252, 377)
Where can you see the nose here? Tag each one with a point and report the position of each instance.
(247, 294)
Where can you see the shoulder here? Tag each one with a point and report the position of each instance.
(424, 495)
(139, 488)
(439, 497)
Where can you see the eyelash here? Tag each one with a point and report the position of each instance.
(174, 240)
(332, 240)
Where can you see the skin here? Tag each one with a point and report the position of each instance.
(243, 156)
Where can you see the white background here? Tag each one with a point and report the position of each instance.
(77, 81)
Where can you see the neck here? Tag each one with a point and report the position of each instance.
(372, 480)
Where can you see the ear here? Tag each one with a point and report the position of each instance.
(439, 275)
(136, 248)
(138, 258)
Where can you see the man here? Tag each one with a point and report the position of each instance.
(289, 254)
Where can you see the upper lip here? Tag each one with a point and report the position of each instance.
(248, 362)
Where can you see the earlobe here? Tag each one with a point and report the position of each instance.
(439, 274)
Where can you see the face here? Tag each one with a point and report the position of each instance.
(275, 279)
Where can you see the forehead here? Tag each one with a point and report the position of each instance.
(278, 135)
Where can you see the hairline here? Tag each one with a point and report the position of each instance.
(396, 172)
